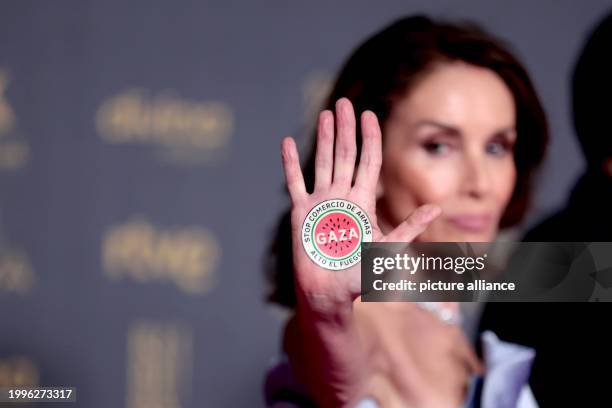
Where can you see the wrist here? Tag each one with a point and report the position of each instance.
(335, 360)
(331, 312)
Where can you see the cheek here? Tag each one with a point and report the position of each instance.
(414, 180)
(504, 182)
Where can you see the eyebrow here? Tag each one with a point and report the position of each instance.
(448, 128)
(453, 131)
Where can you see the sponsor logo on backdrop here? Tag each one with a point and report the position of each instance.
(159, 368)
(182, 131)
(144, 252)
(18, 371)
(16, 275)
(14, 151)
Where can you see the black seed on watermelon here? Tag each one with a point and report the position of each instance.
(342, 226)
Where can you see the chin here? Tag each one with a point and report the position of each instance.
(469, 235)
(457, 236)
(476, 237)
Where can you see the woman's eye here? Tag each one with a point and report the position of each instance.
(497, 148)
(436, 148)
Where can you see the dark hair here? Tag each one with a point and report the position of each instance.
(387, 66)
(592, 88)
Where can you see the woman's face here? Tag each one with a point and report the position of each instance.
(450, 142)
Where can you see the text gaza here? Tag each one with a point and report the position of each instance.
(323, 238)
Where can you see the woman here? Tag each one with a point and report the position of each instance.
(449, 134)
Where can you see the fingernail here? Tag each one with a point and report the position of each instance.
(327, 117)
(340, 107)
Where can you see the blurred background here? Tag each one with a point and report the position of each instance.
(140, 177)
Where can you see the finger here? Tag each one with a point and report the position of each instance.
(324, 160)
(346, 150)
(414, 225)
(293, 172)
(371, 153)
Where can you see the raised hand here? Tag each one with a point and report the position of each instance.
(325, 347)
(320, 288)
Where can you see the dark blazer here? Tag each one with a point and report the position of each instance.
(573, 341)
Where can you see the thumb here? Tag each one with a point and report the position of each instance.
(414, 225)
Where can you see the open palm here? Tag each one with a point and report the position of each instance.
(335, 170)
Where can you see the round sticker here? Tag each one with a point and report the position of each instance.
(333, 231)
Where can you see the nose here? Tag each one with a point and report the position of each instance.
(476, 176)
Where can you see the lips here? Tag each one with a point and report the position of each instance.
(472, 222)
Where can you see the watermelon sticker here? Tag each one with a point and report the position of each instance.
(333, 231)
